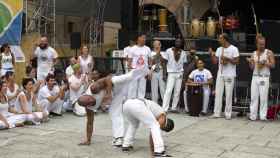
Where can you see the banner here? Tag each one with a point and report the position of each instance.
(11, 25)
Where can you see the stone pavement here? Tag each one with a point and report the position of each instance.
(192, 138)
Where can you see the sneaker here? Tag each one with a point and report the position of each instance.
(162, 154)
(127, 149)
(117, 142)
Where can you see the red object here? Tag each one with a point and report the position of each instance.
(231, 22)
(272, 112)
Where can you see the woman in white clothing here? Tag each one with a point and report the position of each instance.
(7, 59)
(13, 89)
(7, 119)
(26, 101)
(85, 60)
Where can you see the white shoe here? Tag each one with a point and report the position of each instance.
(214, 116)
(117, 142)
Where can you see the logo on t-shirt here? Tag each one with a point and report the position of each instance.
(140, 62)
(199, 78)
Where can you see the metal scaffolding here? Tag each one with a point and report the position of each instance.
(41, 17)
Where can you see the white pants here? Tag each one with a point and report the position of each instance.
(12, 120)
(222, 83)
(157, 83)
(34, 115)
(206, 95)
(259, 90)
(136, 111)
(137, 88)
(48, 107)
(174, 81)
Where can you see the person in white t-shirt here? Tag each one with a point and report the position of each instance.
(13, 88)
(158, 72)
(7, 59)
(139, 56)
(77, 84)
(227, 56)
(51, 97)
(261, 61)
(152, 116)
(85, 60)
(175, 58)
(69, 70)
(126, 51)
(46, 58)
(201, 76)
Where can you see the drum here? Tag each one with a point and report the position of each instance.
(162, 20)
(195, 99)
(201, 28)
(195, 28)
(211, 28)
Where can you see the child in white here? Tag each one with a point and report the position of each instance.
(204, 77)
(228, 57)
(261, 61)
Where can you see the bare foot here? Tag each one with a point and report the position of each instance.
(84, 143)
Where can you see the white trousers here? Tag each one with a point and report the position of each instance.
(48, 107)
(34, 115)
(137, 88)
(157, 83)
(259, 90)
(222, 83)
(12, 120)
(136, 111)
(206, 96)
(174, 81)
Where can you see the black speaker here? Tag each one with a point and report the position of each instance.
(270, 30)
(75, 40)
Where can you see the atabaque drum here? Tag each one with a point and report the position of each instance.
(195, 99)
(195, 28)
(211, 28)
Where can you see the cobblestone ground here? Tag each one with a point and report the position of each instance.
(192, 138)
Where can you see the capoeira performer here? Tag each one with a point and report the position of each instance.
(109, 91)
(158, 72)
(151, 115)
(261, 61)
(175, 58)
(201, 76)
(227, 56)
(25, 102)
(7, 119)
(138, 55)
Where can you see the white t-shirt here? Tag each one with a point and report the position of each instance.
(172, 64)
(69, 71)
(86, 64)
(126, 51)
(10, 94)
(228, 70)
(263, 58)
(45, 59)
(18, 104)
(75, 81)
(44, 92)
(201, 76)
(7, 61)
(139, 55)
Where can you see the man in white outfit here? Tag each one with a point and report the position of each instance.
(175, 58)
(261, 61)
(152, 116)
(227, 56)
(202, 76)
(139, 55)
(46, 58)
(112, 91)
(51, 96)
(158, 72)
